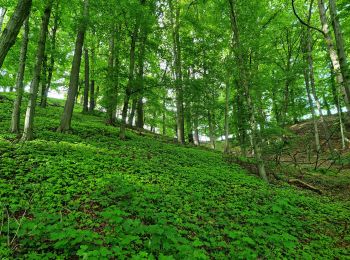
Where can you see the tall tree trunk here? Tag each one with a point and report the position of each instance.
(2, 16)
(338, 69)
(19, 82)
(313, 88)
(340, 48)
(132, 112)
(92, 83)
(140, 79)
(131, 79)
(9, 35)
(256, 138)
(312, 108)
(87, 81)
(175, 22)
(50, 68)
(189, 124)
(111, 95)
(227, 125)
(66, 118)
(211, 130)
(30, 113)
(43, 81)
(164, 115)
(196, 131)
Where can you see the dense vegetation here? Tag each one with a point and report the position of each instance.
(89, 194)
(168, 112)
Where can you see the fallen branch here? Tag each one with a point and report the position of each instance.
(305, 185)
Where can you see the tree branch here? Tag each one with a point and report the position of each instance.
(304, 23)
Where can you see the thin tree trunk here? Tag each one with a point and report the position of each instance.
(227, 124)
(66, 118)
(19, 82)
(175, 22)
(111, 95)
(256, 138)
(211, 130)
(196, 131)
(43, 81)
(132, 112)
(86, 82)
(338, 69)
(164, 115)
(52, 62)
(340, 48)
(2, 16)
(30, 113)
(313, 88)
(140, 80)
(92, 83)
(9, 35)
(312, 109)
(130, 85)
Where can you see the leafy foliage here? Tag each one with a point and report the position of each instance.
(91, 195)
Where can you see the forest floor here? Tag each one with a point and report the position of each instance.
(89, 194)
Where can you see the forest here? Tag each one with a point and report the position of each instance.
(174, 129)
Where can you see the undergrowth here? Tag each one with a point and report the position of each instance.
(89, 194)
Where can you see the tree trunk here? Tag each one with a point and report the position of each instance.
(175, 22)
(30, 113)
(86, 82)
(164, 115)
(312, 109)
(195, 128)
(111, 95)
(132, 112)
(340, 48)
(52, 62)
(211, 130)
(130, 85)
(92, 83)
(256, 138)
(66, 118)
(43, 81)
(19, 82)
(340, 74)
(313, 88)
(227, 124)
(140, 79)
(9, 35)
(2, 16)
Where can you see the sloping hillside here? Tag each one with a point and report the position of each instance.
(88, 194)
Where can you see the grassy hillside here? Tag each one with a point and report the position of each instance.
(90, 195)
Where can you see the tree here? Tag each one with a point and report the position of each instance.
(30, 113)
(9, 35)
(66, 117)
(19, 82)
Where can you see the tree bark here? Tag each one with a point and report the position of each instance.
(9, 35)
(140, 79)
(30, 113)
(256, 138)
(19, 82)
(131, 79)
(227, 124)
(340, 71)
(111, 93)
(2, 16)
(175, 22)
(66, 118)
(340, 48)
(86, 82)
(132, 112)
(92, 83)
(43, 81)
(52, 63)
